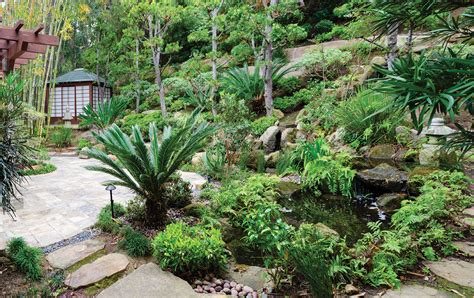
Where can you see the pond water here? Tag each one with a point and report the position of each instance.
(347, 216)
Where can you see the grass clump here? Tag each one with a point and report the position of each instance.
(259, 126)
(135, 243)
(26, 258)
(40, 169)
(61, 137)
(106, 223)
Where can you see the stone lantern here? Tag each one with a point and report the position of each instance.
(67, 117)
(437, 134)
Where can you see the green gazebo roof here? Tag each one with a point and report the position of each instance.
(78, 75)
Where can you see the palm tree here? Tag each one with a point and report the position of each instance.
(106, 114)
(146, 170)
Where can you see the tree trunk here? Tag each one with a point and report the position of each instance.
(410, 37)
(268, 54)
(137, 69)
(156, 212)
(392, 44)
(214, 13)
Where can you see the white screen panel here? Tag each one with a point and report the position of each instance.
(56, 102)
(82, 98)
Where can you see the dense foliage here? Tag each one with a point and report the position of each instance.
(26, 258)
(184, 248)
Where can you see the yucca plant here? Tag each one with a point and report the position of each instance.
(250, 85)
(145, 170)
(105, 115)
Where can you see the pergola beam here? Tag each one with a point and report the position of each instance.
(28, 36)
(19, 25)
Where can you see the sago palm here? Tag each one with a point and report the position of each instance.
(105, 115)
(145, 170)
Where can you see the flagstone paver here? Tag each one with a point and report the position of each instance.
(60, 204)
(149, 281)
(465, 247)
(67, 256)
(421, 291)
(454, 270)
(101, 268)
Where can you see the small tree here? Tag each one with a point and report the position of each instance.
(106, 114)
(146, 170)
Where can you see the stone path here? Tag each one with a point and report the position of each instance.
(421, 291)
(96, 271)
(67, 256)
(60, 204)
(454, 270)
(149, 281)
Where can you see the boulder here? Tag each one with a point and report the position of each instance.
(391, 201)
(335, 139)
(378, 60)
(253, 276)
(287, 136)
(325, 230)
(383, 178)
(101, 268)
(149, 281)
(193, 209)
(197, 158)
(278, 114)
(82, 153)
(465, 247)
(272, 159)
(301, 115)
(197, 181)
(271, 139)
(289, 185)
(384, 151)
(67, 256)
(408, 137)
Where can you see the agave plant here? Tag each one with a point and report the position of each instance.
(106, 114)
(146, 170)
(250, 85)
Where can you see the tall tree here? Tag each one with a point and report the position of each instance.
(268, 55)
(159, 16)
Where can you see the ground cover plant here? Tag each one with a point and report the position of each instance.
(26, 258)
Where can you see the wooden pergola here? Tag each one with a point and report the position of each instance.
(18, 47)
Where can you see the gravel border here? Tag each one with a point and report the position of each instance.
(84, 235)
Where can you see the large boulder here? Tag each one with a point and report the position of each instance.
(197, 158)
(383, 178)
(408, 136)
(271, 139)
(383, 151)
(278, 114)
(253, 276)
(287, 136)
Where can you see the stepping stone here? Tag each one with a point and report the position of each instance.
(99, 269)
(465, 247)
(409, 291)
(67, 256)
(469, 211)
(454, 270)
(149, 281)
(197, 181)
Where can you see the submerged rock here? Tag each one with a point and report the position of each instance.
(391, 201)
(383, 178)
(325, 230)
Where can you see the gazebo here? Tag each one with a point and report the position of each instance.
(73, 91)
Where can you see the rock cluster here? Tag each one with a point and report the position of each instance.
(212, 285)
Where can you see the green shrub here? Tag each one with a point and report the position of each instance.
(177, 192)
(368, 118)
(26, 258)
(319, 113)
(324, 26)
(214, 161)
(360, 50)
(288, 85)
(41, 168)
(61, 136)
(337, 31)
(259, 126)
(135, 210)
(143, 121)
(135, 243)
(261, 163)
(177, 105)
(105, 222)
(84, 143)
(297, 100)
(325, 63)
(192, 249)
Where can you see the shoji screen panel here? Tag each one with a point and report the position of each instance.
(82, 98)
(56, 102)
